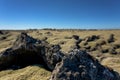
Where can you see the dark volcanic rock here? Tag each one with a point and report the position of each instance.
(27, 50)
(52, 56)
(92, 38)
(77, 41)
(79, 65)
(112, 51)
(76, 37)
(77, 46)
(2, 38)
(1, 32)
(49, 33)
(111, 38)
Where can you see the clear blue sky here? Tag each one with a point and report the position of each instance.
(82, 14)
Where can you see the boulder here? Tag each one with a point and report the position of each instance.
(2, 38)
(76, 37)
(111, 38)
(92, 38)
(112, 51)
(79, 65)
(76, 65)
(1, 32)
(49, 33)
(27, 50)
(77, 41)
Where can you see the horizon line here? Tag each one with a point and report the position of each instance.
(60, 29)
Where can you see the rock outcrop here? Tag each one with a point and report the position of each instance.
(111, 38)
(2, 38)
(1, 32)
(76, 65)
(92, 38)
(27, 50)
(77, 41)
(79, 65)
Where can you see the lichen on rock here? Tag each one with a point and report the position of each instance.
(79, 65)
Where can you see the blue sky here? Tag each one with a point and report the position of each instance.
(78, 14)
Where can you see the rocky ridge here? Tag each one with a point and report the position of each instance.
(76, 65)
(27, 50)
(79, 65)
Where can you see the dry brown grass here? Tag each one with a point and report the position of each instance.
(113, 62)
(34, 72)
(64, 39)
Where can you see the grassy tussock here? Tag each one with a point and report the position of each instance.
(64, 38)
(34, 72)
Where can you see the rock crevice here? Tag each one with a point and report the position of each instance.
(79, 65)
(76, 65)
(27, 50)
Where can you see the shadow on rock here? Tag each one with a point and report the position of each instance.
(79, 65)
(27, 51)
(76, 65)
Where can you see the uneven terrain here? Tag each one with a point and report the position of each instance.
(102, 44)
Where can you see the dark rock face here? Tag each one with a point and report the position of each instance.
(76, 37)
(2, 38)
(112, 51)
(92, 38)
(111, 38)
(27, 50)
(77, 41)
(52, 56)
(79, 65)
(49, 33)
(76, 65)
(1, 32)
